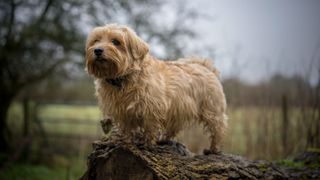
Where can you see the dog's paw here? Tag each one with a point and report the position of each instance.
(139, 142)
(175, 146)
(211, 151)
(165, 142)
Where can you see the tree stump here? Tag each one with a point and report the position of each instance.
(115, 158)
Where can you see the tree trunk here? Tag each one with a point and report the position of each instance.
(114, 158)
(26, 128)
(5, 102)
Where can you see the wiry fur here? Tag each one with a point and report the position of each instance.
(157, 96)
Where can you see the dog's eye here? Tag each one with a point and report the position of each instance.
(115, 42)
(96, 40)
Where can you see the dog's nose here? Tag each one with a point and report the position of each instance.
(98, 51)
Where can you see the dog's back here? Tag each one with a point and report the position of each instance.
(201, 61)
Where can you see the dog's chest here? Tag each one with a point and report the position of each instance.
(119, 104)
(132, 103)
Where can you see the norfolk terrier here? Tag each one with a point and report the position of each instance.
(158, 98)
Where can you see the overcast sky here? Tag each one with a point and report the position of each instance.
(254, 39)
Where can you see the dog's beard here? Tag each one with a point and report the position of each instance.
(102, 68)
(112, 64)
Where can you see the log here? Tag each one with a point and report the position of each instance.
(116, 158)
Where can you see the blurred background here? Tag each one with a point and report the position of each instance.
(268, 53)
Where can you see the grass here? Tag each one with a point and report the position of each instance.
(71, 113)
(253, 131)
(67, 113)
(290, 163)
(32, 172)
(90, 113)
(29, 171)
(62, 158)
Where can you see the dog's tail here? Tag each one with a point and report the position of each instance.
(203, 62)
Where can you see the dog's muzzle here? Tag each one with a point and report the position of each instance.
(98, 52)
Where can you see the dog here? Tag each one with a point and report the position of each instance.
(157, 98)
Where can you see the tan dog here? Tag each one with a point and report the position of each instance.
(140, 92)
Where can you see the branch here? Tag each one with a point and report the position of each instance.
(30, 79)
(45, 11)
(11, 20)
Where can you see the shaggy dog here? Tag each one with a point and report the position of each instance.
(156, 98)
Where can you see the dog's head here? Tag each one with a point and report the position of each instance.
(113, 51)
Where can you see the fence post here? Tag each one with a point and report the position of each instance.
(285, 124)
(38, 122)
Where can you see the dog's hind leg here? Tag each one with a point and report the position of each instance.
(215, 123)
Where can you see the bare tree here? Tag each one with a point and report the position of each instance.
(36, 38)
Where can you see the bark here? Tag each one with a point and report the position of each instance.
(114, 158)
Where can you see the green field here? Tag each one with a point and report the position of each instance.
(254, 132)
(65, 156)
(65, 116)
(28, 171)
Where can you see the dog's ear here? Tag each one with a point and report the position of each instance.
(136, 46)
